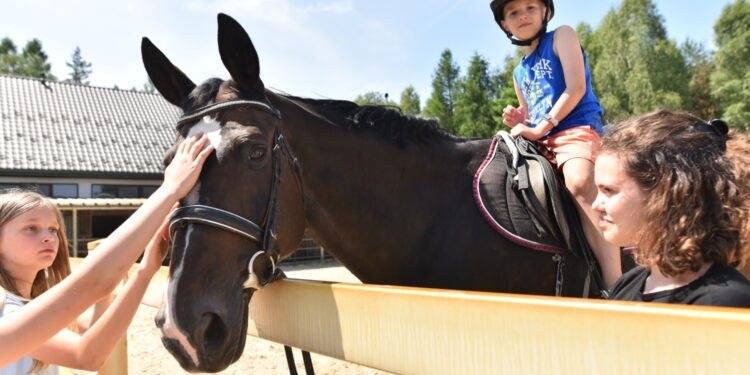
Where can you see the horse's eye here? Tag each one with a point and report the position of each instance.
(257, 153)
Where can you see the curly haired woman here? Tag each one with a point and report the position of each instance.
(676, 187)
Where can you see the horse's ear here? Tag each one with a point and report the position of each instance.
(170, 81)
(238, 55)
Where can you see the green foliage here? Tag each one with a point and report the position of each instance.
(34, 61)
(506, 93)
(374, 98)
(586, 37)
(149, 86)
(635, 68)
(700, 67)
(31, 62)
(9, 59)
(410, 101)
(7, 46)
(474, 104)
(81, 68)
(730, 82)
(442, 102)
(473, 111)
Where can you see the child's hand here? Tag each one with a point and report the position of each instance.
(529, 133)
(518, 131)
(512, 116)
(158, 247)
(182, 173)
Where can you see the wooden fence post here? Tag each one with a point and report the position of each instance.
(117, 363)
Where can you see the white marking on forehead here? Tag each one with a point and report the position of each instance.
(209, 126)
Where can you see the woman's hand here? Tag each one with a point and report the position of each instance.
(183, 172)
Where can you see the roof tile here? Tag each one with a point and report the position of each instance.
(64, 127)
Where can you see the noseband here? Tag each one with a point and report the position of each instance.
(261, 267)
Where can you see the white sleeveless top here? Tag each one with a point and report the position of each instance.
(9, 305)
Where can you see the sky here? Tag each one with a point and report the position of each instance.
(314, 48)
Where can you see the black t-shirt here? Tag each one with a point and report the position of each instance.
(720, 286)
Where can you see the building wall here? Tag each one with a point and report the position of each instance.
(84, 185)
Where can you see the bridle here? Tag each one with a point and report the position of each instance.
(261, 267)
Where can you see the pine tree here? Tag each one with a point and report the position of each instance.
(637, 68)
(33, 62)
(9, 59)
(442, 102)
(505, 94)
(730, 83)
(7, 46)
(473, 112)
(81, 68)
(410, 101)
(149, 86)
(700, 67)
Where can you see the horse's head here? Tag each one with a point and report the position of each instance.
(248, 192)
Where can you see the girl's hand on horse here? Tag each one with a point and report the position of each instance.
(158, 248)
(182, 173)
(512, 116)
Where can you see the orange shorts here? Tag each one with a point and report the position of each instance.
(578, 142)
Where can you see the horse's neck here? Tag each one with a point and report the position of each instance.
(371, 203)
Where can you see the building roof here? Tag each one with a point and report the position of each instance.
(57, 129)
(87, 203)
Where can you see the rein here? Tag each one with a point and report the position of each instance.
(262, 264)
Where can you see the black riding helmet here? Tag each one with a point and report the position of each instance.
(498, 7)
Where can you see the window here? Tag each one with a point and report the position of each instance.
(122, 191)
(148, 190)
(65, 191)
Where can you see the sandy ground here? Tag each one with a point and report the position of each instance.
(146, 355)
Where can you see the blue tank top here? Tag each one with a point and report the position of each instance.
(541, 81)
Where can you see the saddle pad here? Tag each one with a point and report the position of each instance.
(502, 206)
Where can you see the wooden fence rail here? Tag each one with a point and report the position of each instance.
(428, 331)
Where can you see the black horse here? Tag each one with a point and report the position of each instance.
(389, 195)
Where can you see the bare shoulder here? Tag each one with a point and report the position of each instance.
(565, 39)
(565, 33)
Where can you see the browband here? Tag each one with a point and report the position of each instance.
(217, 107)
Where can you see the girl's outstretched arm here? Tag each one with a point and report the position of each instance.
(26, 329)
(90, 350)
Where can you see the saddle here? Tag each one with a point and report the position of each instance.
(523, 197)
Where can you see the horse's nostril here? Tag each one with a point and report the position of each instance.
(213, 331)
(159, 318)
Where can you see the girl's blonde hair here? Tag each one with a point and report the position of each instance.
(16, 202)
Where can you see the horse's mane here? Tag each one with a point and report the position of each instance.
(388, 121)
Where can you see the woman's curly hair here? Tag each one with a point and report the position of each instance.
(697, 187)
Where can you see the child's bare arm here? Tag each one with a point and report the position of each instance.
(568, 48)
